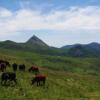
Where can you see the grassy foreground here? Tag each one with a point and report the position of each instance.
(80, 83)
(59, 86)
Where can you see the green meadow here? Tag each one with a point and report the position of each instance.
(67, 78)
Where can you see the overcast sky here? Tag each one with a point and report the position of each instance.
(56, 22)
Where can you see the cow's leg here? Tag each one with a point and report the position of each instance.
(44, 82)
(38, 83)
(4, 68)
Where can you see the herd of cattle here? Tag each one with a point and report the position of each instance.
(11, 76)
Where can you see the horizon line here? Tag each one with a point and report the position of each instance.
(49, 45)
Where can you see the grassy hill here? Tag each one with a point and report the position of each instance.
(67, 78)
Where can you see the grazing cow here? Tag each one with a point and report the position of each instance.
(6, 62)
(22, 67)
(8, 76)
(2, 67)
(39, 79)
(34, 69)
(14, 67)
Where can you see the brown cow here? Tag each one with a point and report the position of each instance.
(6, 62)
(34, 69)
(39, 79)
(3, 65)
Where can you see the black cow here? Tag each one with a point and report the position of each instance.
(8, 76)
(14, 66)
(2, 67)
(39, 79)
(22, 67)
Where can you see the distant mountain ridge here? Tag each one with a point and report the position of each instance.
(34, 44)
(91, 49)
